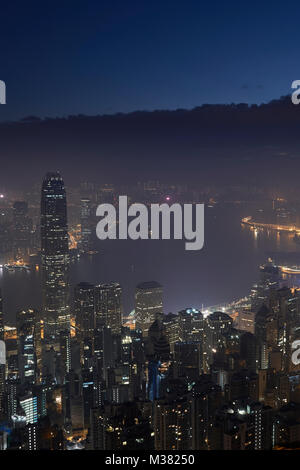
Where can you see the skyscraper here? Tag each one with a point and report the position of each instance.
(55, 256)
(148, 302)
(29, 345)
(108, 306)
(84, 305)
(29, 404)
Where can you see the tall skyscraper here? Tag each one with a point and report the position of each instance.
(29, 345)
(55, 256)
(29, 404)
(108, 306)
(148, 302)
(84, 305)
(65, 353)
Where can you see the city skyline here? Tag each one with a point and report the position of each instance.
(149, 230)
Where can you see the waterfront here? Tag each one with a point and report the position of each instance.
(222, 271)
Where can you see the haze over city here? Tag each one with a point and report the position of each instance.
(135, 343)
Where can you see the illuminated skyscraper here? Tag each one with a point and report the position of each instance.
(28, 345)
(84, 306)
(65, 352)
(108, 306)
(29, 404)
(55, 256)
(84, 309)
(148, 302)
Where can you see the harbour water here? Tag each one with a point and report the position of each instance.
(223, 271)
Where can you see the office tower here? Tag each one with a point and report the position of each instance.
(98, 351)
(29, 345)
(126, 346)
(171, 326)
(109, 352)
(108, 307)
(84, 306)
(86, 225)
(263, 316)
(29, 404)
(246, 321)
(55, 256)
(219, 323)
(148, 302)
(206, 398)
(11, 396)
(73, 407)
(42, 392)
(138, 360)
(26, 346)
(190, 325)
(270, 278)
(2, 355)
(64, 358)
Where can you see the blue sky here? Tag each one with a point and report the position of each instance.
(94, 57)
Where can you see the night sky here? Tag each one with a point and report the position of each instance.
(94, 57)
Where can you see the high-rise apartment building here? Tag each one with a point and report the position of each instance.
(148, 302)
(84, 304)
(55, 256)
(108, 307)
